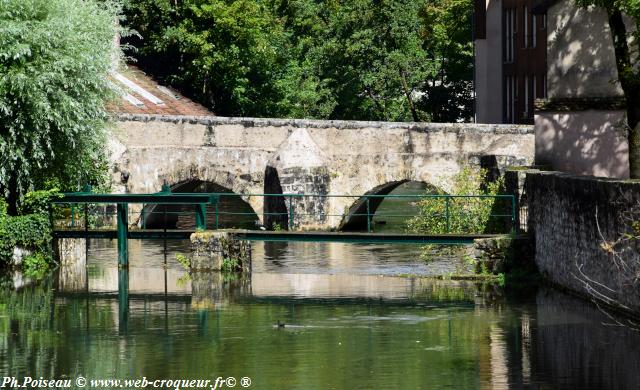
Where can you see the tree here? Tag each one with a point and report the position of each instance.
(227, 54)
(627, 65)
(373, 57)
(397, 60)
(55, 57)
(446, 33)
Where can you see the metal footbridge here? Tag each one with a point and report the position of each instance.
(92, 215)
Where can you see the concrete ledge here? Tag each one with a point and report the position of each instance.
(581, 104)
(330, 124)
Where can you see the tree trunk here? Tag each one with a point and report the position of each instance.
(414, 114)
(626, 76)
(12, 199)
(634, 151)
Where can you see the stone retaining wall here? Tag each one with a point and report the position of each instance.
(579, 223)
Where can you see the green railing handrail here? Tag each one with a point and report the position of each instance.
(201, 200)
(84, 197)
(157, 198)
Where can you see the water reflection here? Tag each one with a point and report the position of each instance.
(293, 257)
(343, 329)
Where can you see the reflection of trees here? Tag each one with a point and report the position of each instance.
(25, 317)
(326, 343)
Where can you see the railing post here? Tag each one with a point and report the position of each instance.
(51, 221)
(446, 213)
(73, 215)
(217, 215)
(86, 217)
(291, 215)
(368, 218)
(514, 211)
(123, 230)
(201, 216)
(164, 230)
(142, 218)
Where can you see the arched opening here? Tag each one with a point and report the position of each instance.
(231, 212)
(275, 209)
(388, 214)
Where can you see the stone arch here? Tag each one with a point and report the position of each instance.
(276, 213)
(355, 217)
(232, 211)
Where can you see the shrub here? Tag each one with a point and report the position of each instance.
(38, 202)
(466, 215)
(29, 231)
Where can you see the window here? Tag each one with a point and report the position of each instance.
(525, 26)
(508, 99)
(510, 27)
(535, 87)
(525, 114)
(534, 32)
(544, 21)
(514, 30)
(510, 94)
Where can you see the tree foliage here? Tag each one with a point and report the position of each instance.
(439, 215)
(55, 56)
(446, 33)
(355, 59)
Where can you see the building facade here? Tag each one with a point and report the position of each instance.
(551, 63)
(580, 126)
(510, 40)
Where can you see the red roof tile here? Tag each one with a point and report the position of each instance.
(151, 97)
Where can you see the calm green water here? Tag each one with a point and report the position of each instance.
(347, 325)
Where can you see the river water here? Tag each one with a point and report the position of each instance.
(351, 321)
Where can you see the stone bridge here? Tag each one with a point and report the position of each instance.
(255, 156)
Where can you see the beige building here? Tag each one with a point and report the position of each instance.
(510, 67)
(580, 127)
(579, 112)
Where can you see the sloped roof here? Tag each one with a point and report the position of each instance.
(143, 95)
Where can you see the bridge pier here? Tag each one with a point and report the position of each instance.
(217, 250)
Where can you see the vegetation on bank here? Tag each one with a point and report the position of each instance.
(30, 231)
(396, 60)
(462, 215)
(475, 215)
(55, 58)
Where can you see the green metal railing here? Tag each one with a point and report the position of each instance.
(364, 208)
(87, 211)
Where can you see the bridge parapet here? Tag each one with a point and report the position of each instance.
(263, 155)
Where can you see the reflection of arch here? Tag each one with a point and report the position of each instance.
(155, 217)
(356, 220)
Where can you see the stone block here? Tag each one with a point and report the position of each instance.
(210, 249)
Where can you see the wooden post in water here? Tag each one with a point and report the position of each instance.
(123, 230)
